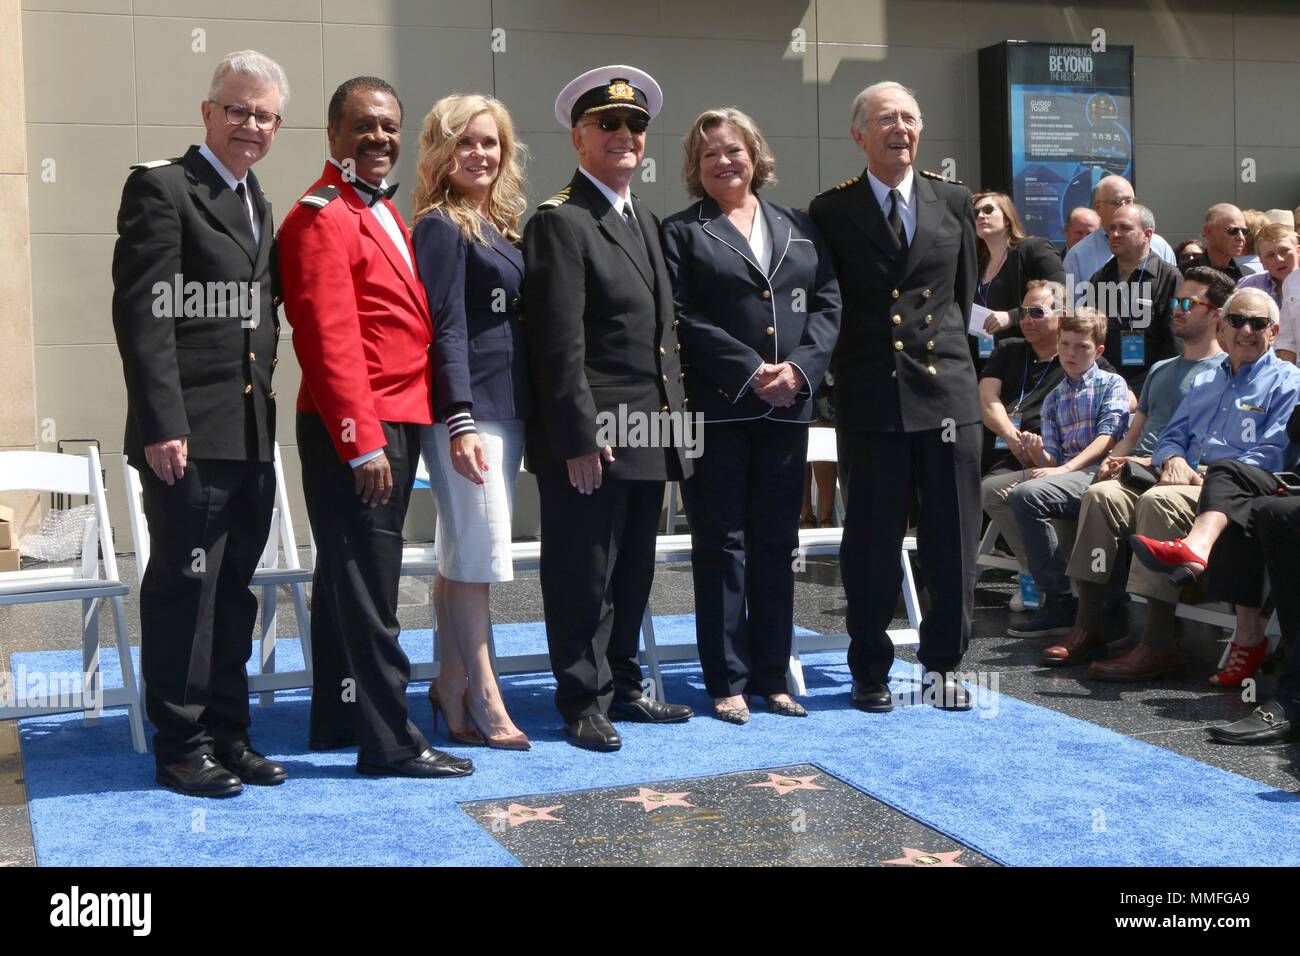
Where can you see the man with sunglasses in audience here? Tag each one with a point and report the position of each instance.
(1225, 241)
(602, 347)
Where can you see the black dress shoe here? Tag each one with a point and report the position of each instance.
(1266, 724)
(199, 776)
(873, 698)
(593, 733)
(647, 710)
(945, 692)
(431, 763)
(252, 768)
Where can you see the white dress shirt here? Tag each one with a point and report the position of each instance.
(760, 241)
(232, 182)
(1288, 337)
(615, 200)
(907, 189)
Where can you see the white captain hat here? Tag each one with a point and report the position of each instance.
(607, 88)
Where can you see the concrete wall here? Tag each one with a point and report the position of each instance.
(111, 82)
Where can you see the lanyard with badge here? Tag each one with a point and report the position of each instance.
(985, 340)
(1133, 343)
(1015, 413)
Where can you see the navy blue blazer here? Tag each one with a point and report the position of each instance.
(733, 317)
(480, 353)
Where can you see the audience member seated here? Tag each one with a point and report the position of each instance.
(1082, 419)
(1116, 504)
(1187, 251)
(1081, 224)
(1224, 233)
(1287, 343)
(1256, 220)
(1091, 253)
(1276, 244)
(1136, 290)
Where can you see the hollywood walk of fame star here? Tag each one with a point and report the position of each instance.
(653, 799)
(782, 783)
(912, 857)
(519, 814)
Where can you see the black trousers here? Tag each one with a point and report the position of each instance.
(206, 534)
(597, 565)
(1231, 487)
(884, 470)
(743, 503)
(360, 672)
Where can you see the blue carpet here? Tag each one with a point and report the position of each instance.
(1022, 784)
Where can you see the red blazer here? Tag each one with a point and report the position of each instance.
(361, 324)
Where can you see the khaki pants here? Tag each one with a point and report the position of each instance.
(1111, 512)
(994, 489)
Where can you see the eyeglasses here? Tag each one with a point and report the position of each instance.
(1125, 201)
(1036, 312)
(890, 120)
(1258, 323)
(238, 116)
(610, 124)
(1235, 230)
(1186, 303)
(987, 209)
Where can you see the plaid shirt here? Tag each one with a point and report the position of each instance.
(1075, 413)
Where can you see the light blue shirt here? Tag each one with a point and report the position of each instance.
(1240, 416)
(1093, 251)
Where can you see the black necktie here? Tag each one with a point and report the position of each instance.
(896, 217)
(631, 221)
(242, 193)
(376, 193)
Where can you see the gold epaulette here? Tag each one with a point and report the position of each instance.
(844, 185)
(155, 163)
(941, 177)
(559, 199)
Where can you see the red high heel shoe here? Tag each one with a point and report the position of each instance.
(1242, 664)
(1184, 564)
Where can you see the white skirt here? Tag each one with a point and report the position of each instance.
(472, 540)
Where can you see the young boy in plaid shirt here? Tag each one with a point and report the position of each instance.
(1082, 419)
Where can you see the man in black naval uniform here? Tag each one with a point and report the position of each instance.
(602, 350)
(906, 402)
(196, 328)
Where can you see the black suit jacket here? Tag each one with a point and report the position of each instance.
(193, 312)
(602, 342)
(480, 352)
(902, 362)
(734, 317)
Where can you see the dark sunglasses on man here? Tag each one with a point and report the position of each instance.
(635, 124)
(1258, 323)
(1186, 303)
(1235, 230)
(1036, 312)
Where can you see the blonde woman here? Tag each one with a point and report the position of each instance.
(467, 208)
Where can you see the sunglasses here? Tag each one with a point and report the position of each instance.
(1235, 230)
(1036, 312)
(988, 209)
(1258, 323)
(611, 124)
(1187, 303)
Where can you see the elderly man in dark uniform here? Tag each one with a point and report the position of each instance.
(195, 324)
(907, 406)
(602, 351)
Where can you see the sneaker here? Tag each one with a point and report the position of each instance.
(1054, 618)
(1017, 603)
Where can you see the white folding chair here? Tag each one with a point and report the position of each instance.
(268, 578)
(75, 475)
(823, 447)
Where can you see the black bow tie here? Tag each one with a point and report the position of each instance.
(376, 193)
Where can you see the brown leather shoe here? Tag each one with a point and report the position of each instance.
(1141, 663)
(1078, 647)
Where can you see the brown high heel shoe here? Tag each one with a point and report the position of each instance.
(517, 741)
(470, 737)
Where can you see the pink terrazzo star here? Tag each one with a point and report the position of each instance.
(519, 814)
(784, 784)
(653, 799)
(912, 857)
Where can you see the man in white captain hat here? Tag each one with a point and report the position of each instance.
(602, 347)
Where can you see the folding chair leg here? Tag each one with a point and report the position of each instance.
(299, 594)
(910, 599)
(135, 709)
(651, 653)
(794, 681)
(269, 599)
(92, 681)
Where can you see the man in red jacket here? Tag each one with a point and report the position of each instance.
(362, 333)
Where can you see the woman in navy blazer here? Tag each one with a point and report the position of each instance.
(468, 205)
(758, 309)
